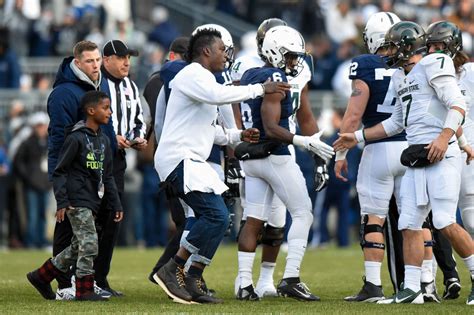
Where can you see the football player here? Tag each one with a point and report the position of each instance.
(380, 170)
(275, 172)
(445, 37)
(431, 108)
(275, 219)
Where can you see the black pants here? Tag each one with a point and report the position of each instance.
(394, 247)
(107, 231)
(177, 215)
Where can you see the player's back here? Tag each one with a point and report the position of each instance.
(260, 75)
(373, 71)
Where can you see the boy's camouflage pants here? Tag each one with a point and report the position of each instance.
(84, 244)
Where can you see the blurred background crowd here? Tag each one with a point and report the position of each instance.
(36, 34)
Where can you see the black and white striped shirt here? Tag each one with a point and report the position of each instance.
(127, 110)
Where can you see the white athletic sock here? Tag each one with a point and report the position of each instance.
(435, 267)
(469, 262)
(296, 249)
(372, 272)
(412, 278)
(266, 272)
(245, 268)
(427, 271)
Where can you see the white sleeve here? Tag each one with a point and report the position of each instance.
(394, 124)
(226, 114)
(204, 88)
(447, 90)
(160, 113)
(437, 65)
(225, 136)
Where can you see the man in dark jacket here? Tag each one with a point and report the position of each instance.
(76, 76)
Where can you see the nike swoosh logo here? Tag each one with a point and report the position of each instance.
(402, 300)
(414, 162)
(306, 295)
(245, 156)
(448, 157)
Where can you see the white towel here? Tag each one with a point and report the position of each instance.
(199, 176)
(421, 189)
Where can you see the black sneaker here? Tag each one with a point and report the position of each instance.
(294, 288)
(247, 294)
(113, 292)
(430, 294)
(44, 288)
(195, 288)
(470, 298)
(369, 293)
(92, 297)
(170, 278)
(452, 286)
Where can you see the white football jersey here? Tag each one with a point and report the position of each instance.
(466, 84)
(241, 65)
(297, 84)
(418, 107)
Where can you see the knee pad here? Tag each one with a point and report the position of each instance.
(369, 228)
(273, 236)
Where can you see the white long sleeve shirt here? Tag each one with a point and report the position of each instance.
(189, 128)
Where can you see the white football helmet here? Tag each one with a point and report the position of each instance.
(281, 41)
(375, 29)
(226, 38)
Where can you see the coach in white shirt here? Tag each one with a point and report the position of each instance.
(189, 132)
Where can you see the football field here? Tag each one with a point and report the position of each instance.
(330, 273)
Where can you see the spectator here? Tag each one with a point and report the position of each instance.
(4, 170)
(9, 66)
(326, 63)
(31, 165)
(341, 23)
(164, 31)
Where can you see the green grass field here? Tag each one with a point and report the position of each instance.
(330, 273)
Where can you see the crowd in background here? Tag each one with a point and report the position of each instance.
(34, 28)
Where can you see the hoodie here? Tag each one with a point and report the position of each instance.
(84, 155)
(64, 108)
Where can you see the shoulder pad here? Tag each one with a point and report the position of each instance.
(362, 67)
(436, 65)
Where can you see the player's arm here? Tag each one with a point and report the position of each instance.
(351, 122)
(441, 76)
(304, 115)
(271, 112)
(236, 110)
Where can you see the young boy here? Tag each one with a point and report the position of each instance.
(80, 180)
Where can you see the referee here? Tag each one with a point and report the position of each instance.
(130, 128)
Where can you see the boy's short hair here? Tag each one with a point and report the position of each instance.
(92, 99)
(199, 40)
(82, 46)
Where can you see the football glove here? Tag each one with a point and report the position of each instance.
(315, 145)
(321, 175)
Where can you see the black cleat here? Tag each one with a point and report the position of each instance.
(430, 294)
(92, 297)
(210, 292)
(44, 288)
(114, 293)
(452, 286)
(294, 288)
(195, 287)
(170, 278)
(247, 294)
(369, 293)
(150, 277)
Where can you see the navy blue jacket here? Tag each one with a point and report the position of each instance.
(64, 109)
